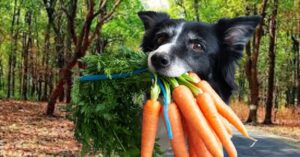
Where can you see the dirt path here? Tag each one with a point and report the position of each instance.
(26, 131)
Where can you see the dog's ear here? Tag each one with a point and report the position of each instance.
(236, 32)
(150, 18)
(234, 35)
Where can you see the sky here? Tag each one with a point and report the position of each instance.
(156, 5)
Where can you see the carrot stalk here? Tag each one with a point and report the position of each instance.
(178, 142)
(187, 77)
(195, 90)
(185, 101)
(209, 110)
(194, 76)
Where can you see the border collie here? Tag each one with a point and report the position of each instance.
(176, 46)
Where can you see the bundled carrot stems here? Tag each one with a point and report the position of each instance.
(196, 118)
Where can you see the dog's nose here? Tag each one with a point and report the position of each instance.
(160, 60)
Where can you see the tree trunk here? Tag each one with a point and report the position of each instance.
(27, 45)
(298, 74)
(253, 82)
(68, 87)
(9, 76)
(197, 8)
(58, 89)
(25, 70)
(81, 43)
(13, 77)
(11, 56)
(45, 63)
(296, 51)
(68, 54)
(1, 74)
(272, 55)
(60, 58)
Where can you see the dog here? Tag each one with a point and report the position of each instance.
(177, 46)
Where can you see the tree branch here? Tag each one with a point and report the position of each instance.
(71, 20)
(50, 8)
(101, 6)
(106, 17)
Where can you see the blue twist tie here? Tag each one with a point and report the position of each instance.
(113, 76)
(165, 109)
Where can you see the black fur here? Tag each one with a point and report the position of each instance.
(222, 44)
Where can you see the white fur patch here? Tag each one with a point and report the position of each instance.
(163, 49)
(176, 68)
(178, 32)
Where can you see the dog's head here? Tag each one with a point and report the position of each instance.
(176, 46)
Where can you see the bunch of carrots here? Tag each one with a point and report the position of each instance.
(199, 119)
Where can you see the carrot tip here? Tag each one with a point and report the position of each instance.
(254, 142)
(252, 139)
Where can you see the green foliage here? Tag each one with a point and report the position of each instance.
(107, 113)
(209, 11)
(126, 27)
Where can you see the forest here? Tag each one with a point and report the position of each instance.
(42, 43)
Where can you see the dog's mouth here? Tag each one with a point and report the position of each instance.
(173, 70)
(168, 73)
(166, 64)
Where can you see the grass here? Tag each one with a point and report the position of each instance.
(286, 120)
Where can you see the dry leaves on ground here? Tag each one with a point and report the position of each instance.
(26, 131)
(286, 120)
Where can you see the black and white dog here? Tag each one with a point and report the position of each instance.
(176, 46)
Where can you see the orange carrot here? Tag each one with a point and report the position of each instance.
(178, 142)
(209, 110)
(227, 125)
(196, 145)
(192, 151)
(151, 113)
(224, 109)
(191, 112)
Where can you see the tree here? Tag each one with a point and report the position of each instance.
(14, 33)
(252, 68)
(295, 49)
(272, 55)
(81, 41)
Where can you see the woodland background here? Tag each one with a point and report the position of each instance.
(42, 41)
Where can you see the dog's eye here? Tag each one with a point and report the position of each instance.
(197, 46)
(161, 38)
